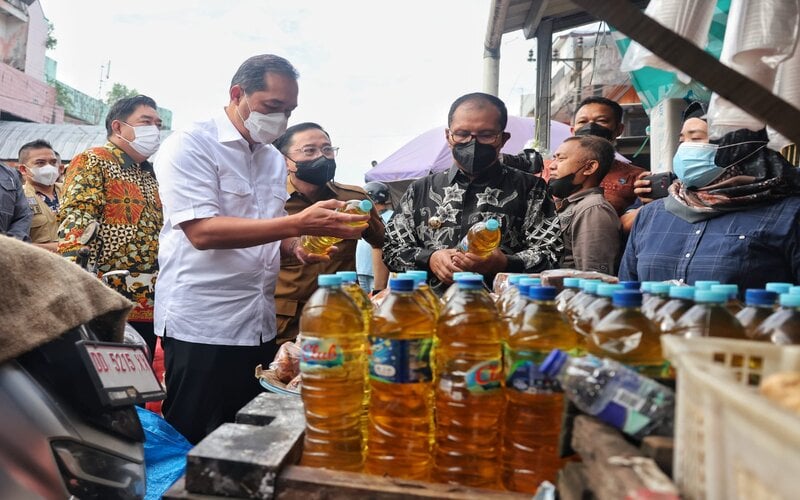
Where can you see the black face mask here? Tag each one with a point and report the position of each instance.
(316, 172)
(563, 186)
(474, 157)
(592, 128)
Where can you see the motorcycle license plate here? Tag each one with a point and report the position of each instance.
(121, 373)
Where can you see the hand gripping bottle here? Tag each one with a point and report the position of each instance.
(614, 393)
(320, 244)
(709, 317)
(332, 364)
(481, 239)
(469, 388)
(401, 399)
(783, 326)
(534, 402)
(760, 304)
(626, 335)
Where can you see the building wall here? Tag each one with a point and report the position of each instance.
(28, 98)
(37, 38)
(13, 33)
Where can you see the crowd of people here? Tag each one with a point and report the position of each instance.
(210, 230)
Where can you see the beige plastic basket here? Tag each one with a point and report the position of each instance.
(731, 442)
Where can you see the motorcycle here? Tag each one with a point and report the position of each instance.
(68, 424)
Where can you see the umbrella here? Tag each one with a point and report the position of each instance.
(429, 152)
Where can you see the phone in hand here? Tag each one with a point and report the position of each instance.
(659, 184)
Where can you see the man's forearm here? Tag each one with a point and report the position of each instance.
(235, 232)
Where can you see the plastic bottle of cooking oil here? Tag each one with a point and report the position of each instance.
(709, 318)
(452, 288)
(733, 303)
(705, 284)
(424, 291)
(778, 287)
(354, 291)
(760, 304)
(469, 388)
(481, 239)
(320, 244)
(401, 399)
(509, 294)
(596, 309)
(534, 402)
(581, 299)
(659, 295)
(517, 303)
(783, 326)
(572, 286)
(681, 299)
(626, 335)
(332, 364)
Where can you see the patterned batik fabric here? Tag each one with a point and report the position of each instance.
(105, 185)
(438, 210)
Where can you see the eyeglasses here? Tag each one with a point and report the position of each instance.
(315, 152)
(463, 137)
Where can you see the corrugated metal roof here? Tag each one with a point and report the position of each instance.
(68, 139)
(522, 15)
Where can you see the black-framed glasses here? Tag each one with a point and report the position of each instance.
(463, 137)
(315, 152)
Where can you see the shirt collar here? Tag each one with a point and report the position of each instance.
(292, 191)
(576, 197)
(124, 160)
(227, 132)
(494, 172)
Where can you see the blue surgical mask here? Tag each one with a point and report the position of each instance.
(694, 165)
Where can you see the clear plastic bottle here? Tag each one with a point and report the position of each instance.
(520, 300)
(582, 299)
(778, 287)
(332, 364)
(645, 288)
(452, 288)
(509, 294)
(359, 296)
(572, 286)
(783, 326)
(733, 303)
(681, 299)
(709, 317)
(481, 239)
(760, 304)
(321, 244)
(659, 295)
(614, 393)
(424, 292)
(401, 399)
(534, 402)
(469, 388)
(586, 320)
(626, 335)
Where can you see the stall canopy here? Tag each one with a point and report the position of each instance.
(429, 153)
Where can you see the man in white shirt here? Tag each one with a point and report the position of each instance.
(223, 188)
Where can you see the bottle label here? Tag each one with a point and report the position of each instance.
(319, 354)
(463, 245)
(400, 361)
(523, 375)
(484, 377)
(634, 403)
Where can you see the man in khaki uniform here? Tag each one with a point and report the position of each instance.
(310, 161)
(41, 169)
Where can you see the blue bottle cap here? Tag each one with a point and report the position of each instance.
(514, 279)
(682, 292)
(778, 287)
(646, 286)
(365, 205)
(585, 282)
(553, 362)
(705, 284)
(329, 280)
(542, 293)
(460, 274)
(757, 297)
(607, 289)
(418, 272)
(732, 291)
(492, 225)
(572, 282)
(590, 287)
(660, 288)
(401, 284)
(348, 276)
(709, 297)
(627, 298)
(795, 290)
(418, 280)
(470, 282)
(530, 281)
(631, 285)
(790, 300)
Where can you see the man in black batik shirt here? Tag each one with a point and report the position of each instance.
(438, 210)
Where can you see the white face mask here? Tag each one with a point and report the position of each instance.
(147, 139)
(264, 128)
(46, 175)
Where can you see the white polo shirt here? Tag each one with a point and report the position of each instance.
(223, 297)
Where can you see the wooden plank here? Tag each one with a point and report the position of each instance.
(312, 483)
(695, 62)
(614, 467)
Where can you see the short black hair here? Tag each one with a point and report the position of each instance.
(283, 142)
(124, 108)
(250, 75)
(599, 149)
(26, 148)
(480, 97)
(596, 99)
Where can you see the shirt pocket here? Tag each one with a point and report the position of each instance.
(236, 196)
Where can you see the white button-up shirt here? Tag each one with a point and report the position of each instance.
(222, 297)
